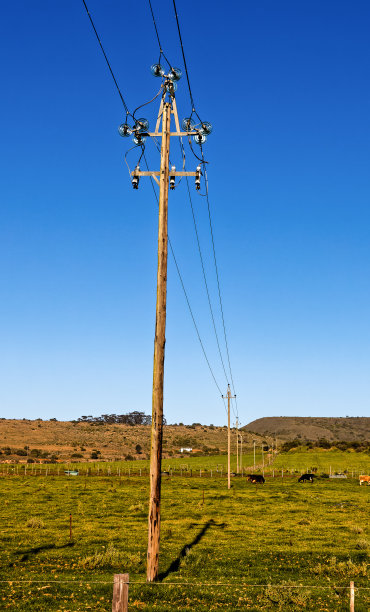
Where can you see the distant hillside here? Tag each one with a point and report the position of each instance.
(22, 440)
(312, 428)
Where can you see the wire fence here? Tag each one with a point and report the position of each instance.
(192, 584)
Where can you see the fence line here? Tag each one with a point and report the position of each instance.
(196, 584)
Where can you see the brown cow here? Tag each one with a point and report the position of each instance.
(364, 479)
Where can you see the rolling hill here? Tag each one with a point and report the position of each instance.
(312, 428)
(78, 441)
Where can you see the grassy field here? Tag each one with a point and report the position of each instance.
(280, 535)
(292, 461)
(323, 459)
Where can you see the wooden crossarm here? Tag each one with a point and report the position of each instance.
(157, 173)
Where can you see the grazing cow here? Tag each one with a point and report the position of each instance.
(306, 478)
(256, 478)
(364, 479)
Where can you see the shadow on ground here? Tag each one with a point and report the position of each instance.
(33, 551)
(175, 565)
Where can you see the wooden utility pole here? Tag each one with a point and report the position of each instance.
(241, 453)
(158, 364)
(237, 444)
(254, 454)
(164, 177)
(229, 397)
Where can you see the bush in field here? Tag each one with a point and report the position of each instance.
(110, 557)
(35, 523)
(287, 446)
(340, 569)
(283, 598)
(77, 455)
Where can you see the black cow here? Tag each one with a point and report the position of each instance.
(306, 478)
(256, 478)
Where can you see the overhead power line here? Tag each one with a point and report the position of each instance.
(202, 266)
(186, 295)
(106, 59)
(183, 57)
(143, 154)
(218, 284)
(208, 204)
(157, 34)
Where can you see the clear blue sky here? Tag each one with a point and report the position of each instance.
(286, 87)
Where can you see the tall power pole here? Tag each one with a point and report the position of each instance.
(237, 444)
(166, 177)
(254, 454)
(154, 523)
(241, 453)
(229, 397)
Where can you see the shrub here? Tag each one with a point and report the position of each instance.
(342, 569)
(77, 455)
(137, 507)
(35, 523)
(110, 557)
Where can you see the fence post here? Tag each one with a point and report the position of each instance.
(120, 593)
(351, 597)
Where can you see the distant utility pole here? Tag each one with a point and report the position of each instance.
(263, 458)
(167, 177)
(229, 397)
(254, 455)
(237, 445)
(241, 453)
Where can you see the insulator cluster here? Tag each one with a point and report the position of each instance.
(138, 130)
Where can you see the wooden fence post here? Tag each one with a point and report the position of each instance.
(351, 597)
(120, 593)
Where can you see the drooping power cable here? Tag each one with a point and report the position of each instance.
(106, 59)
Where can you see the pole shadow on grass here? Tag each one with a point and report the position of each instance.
(33, 551)
(175, 565)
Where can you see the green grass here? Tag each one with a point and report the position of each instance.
(282, 533)
(186, 463)
(323, 459)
